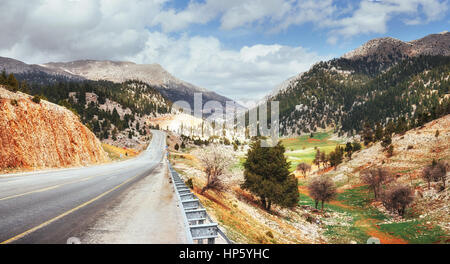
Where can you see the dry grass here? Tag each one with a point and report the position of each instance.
(116, 153)
(241, 215)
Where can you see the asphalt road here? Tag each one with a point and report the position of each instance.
(52, 206)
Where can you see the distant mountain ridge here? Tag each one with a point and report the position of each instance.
(18, 67)
(155, 75)
(387, 48)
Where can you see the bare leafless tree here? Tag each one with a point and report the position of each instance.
(216, 161)
(304, 168)
(396, 198)
(323, 189)
(437, 171)
(375, 178)
(427, 175)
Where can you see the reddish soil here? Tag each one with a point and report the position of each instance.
(323, 171)
(43, 135)
(372, 229)
(369, 225)
(210, 197)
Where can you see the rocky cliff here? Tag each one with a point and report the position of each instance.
(43, 135)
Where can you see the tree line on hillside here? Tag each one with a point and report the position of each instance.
(412, 89)
(333, 159)
(410, 94)
(12, 84)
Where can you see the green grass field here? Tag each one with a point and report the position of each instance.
(363, 221)
(417, 232)
(302, 149)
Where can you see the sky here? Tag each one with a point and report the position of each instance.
(240, 49)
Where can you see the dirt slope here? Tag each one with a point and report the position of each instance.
(412, 151)
(43, 135)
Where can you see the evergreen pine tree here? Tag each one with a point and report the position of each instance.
(13, 83)
(378, 132)
(266, 174)
(367, 133)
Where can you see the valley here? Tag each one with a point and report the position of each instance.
(363, 152)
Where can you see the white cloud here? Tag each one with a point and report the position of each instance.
(367, 17)
(250, 72)
(231, 13)
(373, 16)
(61, 30)
(103, 29)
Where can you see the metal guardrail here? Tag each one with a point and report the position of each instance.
(199, 225)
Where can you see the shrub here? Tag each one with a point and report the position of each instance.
(189, 183)
(436, 171)
(387, 140)
(36, 99)
(397, 198)
(356, 146)
(309, 218)
(390, 151)
(215, 161)
(269, 234)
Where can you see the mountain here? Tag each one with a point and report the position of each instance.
(384, 79)
(387, 49)
(19, 67)
(115, 99)
(26, 125)
(282, 87)
(153, 74)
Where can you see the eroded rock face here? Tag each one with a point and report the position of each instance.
(43, 135)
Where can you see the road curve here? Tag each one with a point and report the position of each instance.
(50, 207)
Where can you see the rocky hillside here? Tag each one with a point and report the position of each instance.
(384, 79)
(413, 151)
(43, 135)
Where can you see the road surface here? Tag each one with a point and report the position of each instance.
(50, 207)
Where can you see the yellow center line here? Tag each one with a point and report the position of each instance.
(49, 188)
(29, 231)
